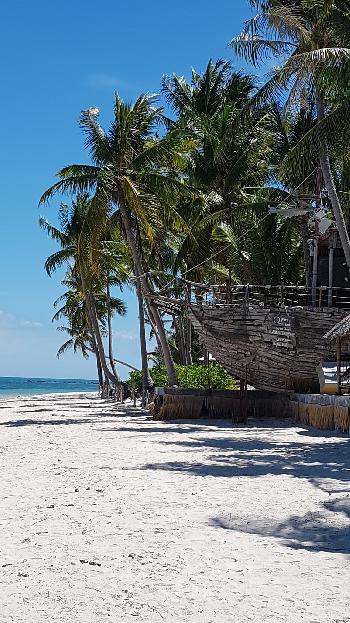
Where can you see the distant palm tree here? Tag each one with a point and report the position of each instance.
(71, 306)
(87, 278)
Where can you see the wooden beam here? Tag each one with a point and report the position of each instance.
(330, 276)
(339, 365)
(314, 273)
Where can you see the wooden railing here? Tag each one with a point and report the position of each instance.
(266, 296)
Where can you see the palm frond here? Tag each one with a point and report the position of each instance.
(56, 260)
(334, 128)
(76, 178)
(256, 50)
(53, 232)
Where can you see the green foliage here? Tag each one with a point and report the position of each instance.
(191, 377)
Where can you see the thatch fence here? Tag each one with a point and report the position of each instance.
(319, 411)
(179, 403)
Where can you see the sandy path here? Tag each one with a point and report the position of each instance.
(182, 522)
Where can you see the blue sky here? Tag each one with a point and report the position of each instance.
(57, 59)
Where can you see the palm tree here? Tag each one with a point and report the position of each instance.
(72, 308)
(135, 173)
(313, 46)
(288, 130)
(73, 222)
(228, 158)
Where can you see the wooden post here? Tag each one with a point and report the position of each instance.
(246, 296)
(314, 273)
(243, 398)
(246, 395)
(339, 365)
(229, 297)
(209, 372)
(330, 276)
(320, 294)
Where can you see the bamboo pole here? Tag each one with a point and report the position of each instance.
(330, 276)
(314, 273)
(339, 365)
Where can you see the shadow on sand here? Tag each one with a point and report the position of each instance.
(228, 451)
(319, 462)
(313, 531)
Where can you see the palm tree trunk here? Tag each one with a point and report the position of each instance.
(180, 339)
(168, 360)
(110, 332)
(99, 371)
(147, 381)
(304, 234)
(91, 310)
(330, 186)
(189, 340)
(154, 328)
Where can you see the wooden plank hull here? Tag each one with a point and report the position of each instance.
(277, 349)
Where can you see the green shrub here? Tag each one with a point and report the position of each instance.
(191, 377)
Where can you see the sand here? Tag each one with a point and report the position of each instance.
(108, 516)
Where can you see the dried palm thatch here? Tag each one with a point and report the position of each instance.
(303, 413)
(341, 418)
(275, 407)
(180, 407)
(321, 416)
(221, 407)
(294, 410)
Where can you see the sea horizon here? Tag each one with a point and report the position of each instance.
(30, 386)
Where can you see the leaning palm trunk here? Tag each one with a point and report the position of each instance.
(119, 389)
(92, 311)
(180, 339)
(110, 333)
(93, 322)
(304, 234)
(99, 371)
(330, 186)
(189, 341)
(147, 381)
(154, 312)
(154, 328)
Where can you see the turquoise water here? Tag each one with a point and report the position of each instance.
(22, 386)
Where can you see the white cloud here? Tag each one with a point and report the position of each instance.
(125, 335)
(10, 321)
(104, 81)
(29, 323)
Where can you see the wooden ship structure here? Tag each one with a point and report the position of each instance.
(271, 337)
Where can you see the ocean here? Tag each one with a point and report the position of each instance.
(22, 386)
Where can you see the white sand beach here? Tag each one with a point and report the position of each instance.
(109, 516)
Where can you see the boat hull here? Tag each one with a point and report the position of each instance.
(276, 349)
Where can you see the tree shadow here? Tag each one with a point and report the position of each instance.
(42, 410)
(313, 532)
(50, 422)
(146, 428)
(96, 417)
(59, 405)
(254, 457)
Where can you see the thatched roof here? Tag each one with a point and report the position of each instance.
(341, 329)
